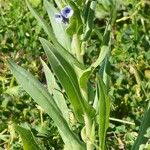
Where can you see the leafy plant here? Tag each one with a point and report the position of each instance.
(69, 86)
(70, 77)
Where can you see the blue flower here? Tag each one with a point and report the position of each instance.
(58, 17)
(67, 12)
(64, 15)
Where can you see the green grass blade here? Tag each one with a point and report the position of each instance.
(41, 96)
(28, 139)
(104, 110)
(58, 28)
(55, 90)
(144, 129)
(68, 79)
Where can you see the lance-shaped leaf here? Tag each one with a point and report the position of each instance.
(67, 76)
(144, 133)
(48, 30)
(68, 56)
(28, 139)
(75, 23)
(90, 19)
(104, 110)
(41, 96)
(60, 3)
(101, 60)
(55, 90)
(50, 33)
(58, 28)
(86, 73)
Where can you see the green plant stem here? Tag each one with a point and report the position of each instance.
(76, 48)
(3, 85)
(12, 81)
(121, 121)
(41, 116)
(88, 127)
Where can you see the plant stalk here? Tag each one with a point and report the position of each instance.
(75, 46)
(89, 134)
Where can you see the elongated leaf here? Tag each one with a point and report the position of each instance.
(86, 73)
(104, 110)
(72, 26)
(96, 101)
(104, 70)
(60, 3)
(28, 139)
(58, 28)
(145, 126)
(68, 56)
(48, 30)
(50, 33)
(41, 96)
(63, 61)
(86, 10)
(75, 21)
(89, 20)
(54, 89)
(68, 79)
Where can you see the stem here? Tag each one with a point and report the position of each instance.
(76, 48)
(12, 81)
(88, 127)
(121, 121)
(3, 85)
(41, 116)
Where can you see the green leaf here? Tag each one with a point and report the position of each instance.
(96, 101)
(15, 90)
(144, 129)
(86, 73)
(54, 89)
(75, 21)
(86, 10)
(105, 70)
(104, 111)
(68, 79)
(58, 28)
(35, 2)
(60, 3)
(89, 21)
(41, 96)
(42, 22)
(28, 139)
(50, 33)
(72, 26)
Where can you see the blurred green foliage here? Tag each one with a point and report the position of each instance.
(129, 73)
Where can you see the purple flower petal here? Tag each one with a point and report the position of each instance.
(58, 17)
(67, 12)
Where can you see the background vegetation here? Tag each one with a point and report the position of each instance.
(129, 71)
